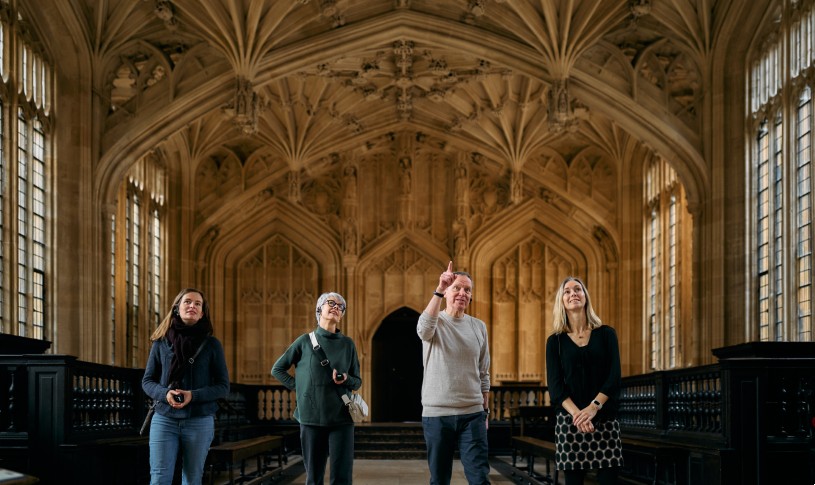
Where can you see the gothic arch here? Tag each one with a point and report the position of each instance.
(221, 251)
(518, 263)
(432, 257)
(399, 271)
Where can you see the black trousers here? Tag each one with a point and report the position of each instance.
(321, 442)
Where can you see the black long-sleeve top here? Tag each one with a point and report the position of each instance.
(581, 372)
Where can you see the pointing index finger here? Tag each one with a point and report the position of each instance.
(450, 267)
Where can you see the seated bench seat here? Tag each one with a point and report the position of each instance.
(533, 436)
(531, 447)
(665, 457)
(233, 452)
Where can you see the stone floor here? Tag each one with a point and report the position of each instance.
(395, 472)
(400, 472)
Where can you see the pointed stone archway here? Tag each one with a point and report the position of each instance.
(396, 369)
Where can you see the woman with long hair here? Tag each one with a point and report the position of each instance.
(583, 374)
(185, 376)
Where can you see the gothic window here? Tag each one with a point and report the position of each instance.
(24, 185)
(780, 255)
(137, 249)
(803, 216)
(667, 245)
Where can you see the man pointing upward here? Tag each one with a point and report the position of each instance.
(456, 384)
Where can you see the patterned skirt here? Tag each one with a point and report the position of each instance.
(584, 451)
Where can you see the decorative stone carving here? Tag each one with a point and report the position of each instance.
(477, 7)
(275, 304)
(560, 108)
(462, 187)
(639, 8)
(517, 185)
(489, 194)
(406, 175)
(245, 107)
(322, 197)
(294, 186)
(460, 245)
(349, 238)
(164, 10)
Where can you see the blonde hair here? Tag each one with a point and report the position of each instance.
(561, 320)
(162, 328)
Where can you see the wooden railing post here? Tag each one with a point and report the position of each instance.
(48, 411)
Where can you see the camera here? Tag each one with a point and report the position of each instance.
(178, 398)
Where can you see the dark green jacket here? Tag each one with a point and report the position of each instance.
(317, 402)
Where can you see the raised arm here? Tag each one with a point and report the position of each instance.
(426, 327)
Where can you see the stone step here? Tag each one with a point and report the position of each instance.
(389, 441)
(389, 454)
(388, 437)
(390, 445)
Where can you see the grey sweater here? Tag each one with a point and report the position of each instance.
(456, 364)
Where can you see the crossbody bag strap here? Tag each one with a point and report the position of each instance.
(191, 360)
(318, 350)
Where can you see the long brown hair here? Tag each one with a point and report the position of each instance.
(561, 321)
(162, 328)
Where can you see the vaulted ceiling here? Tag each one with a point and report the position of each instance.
(301, 79)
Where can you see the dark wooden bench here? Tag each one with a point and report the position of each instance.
(665, 458)
(530, 448)
(532, 437)
(122, 459)
(233, 452)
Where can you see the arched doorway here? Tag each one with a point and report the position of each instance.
(396, 369)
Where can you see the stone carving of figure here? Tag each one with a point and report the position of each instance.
(350, 175)
(460, 237)
(294, 186)
(461, 179)
(406, 165)
(350, 237)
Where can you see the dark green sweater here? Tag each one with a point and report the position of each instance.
(317, 401)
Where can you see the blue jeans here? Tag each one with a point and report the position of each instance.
(321, 442)
(192, 435)
(469, 432)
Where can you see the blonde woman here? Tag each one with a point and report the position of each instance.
(583, 374)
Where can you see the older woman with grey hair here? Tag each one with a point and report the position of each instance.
(326, 427)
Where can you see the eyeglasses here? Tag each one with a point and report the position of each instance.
(333, 304)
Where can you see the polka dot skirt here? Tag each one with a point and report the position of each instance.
(583, 451)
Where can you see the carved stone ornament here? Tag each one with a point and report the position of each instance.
(561, 108)
(245, 107)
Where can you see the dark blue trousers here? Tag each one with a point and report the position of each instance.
(469, 432)
(320, 442)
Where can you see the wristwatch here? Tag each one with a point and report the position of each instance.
(598, 404)
(440, 295)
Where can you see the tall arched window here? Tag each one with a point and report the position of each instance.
(137, 260)
(25, 156)
(667, 251)
(780, 215)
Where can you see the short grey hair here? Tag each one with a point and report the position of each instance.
(329, 296)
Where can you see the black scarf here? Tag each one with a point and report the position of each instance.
(184, 340)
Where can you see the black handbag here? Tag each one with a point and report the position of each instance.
(152, 409)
